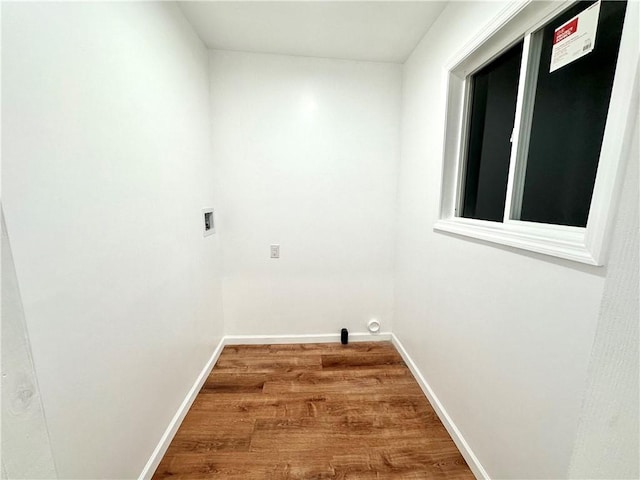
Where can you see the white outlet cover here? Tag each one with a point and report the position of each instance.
(208, 222)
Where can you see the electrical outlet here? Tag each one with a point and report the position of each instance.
(275, 251)
(208, 224)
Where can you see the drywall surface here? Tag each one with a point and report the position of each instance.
(308, 151)
(26, 452)
(503, 336)
(106, 167)
(369, 31)
(607, 444)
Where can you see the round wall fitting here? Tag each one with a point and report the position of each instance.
(373, 326)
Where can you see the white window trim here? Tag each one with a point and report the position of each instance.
(587, 245)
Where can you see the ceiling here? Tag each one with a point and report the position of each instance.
(371, 31)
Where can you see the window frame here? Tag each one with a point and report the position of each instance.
(582, 244)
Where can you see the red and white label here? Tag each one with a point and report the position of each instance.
(576, 38)
(565, 31)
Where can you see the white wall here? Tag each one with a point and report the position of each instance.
(26, 450)
(607, 442)
(503, 336)
(106, 167)
(308, 151)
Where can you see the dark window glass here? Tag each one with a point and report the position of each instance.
(569, 116)
(493, 109)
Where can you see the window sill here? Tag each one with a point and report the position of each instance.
(563, 242)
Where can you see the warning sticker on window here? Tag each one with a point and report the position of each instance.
(575, 38)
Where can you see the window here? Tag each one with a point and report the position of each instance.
(538, 112)
(493, 111)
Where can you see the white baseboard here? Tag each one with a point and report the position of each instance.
(150, 468)
(473, 462)
(312, 338)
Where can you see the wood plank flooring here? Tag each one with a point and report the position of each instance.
(312, 411)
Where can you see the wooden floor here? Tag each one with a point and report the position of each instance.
(312, 411)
